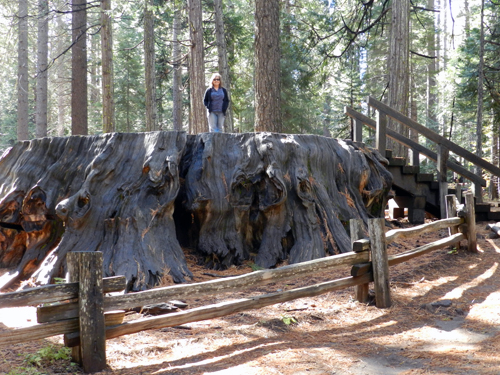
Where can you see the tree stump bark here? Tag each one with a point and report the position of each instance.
(139, 197)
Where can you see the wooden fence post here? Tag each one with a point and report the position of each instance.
(357, 233)
(442, 159)
(376, 228)
(86, 268)
(381, 133)
(451, 211)
(357, 135)
(470, 219)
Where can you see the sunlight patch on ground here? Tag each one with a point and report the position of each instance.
(487, 311)
(493, 245)
(220, 359)
(459, 291)
(433, 339)
(18, 317)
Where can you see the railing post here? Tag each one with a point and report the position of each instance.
(415, 155)
(451, 211)
(442, 159)
(470, 220)
(380, 262)
(86, 269)
(381, 133)
(478, 189)
(357, 232)
(358, 131)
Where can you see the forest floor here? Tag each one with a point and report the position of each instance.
(445, 319)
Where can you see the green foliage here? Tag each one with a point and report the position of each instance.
(48, 355)
(288, 320)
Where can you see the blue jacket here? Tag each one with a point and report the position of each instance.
(207, 100)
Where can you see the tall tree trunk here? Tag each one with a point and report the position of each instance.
(431, 107)
(22, 72)
(41, 79)
(108, 101)
(62, 81)
(399, 82)
(494, 182)
(223, 63)
(198, 120)
(267, 66)
(479, 123)
(467, 19)
(177, 74)
(150, 60)
(79, 100)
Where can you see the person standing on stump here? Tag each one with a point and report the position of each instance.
(216, 100)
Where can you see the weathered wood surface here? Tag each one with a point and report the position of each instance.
(91, 312)
(42, 331)
(380, 263)
(55, 293)
(158, 295)
(230, 307)
(139, 197)
(470, 219)
(421, 250)
(395, 234)
(358, 231)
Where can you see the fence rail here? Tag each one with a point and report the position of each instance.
(82, 333)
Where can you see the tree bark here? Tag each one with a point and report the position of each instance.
(139, 197)
(197, 118)
(41, 79)
(108, 102)
(222, 57)
(150, 62)
(480, 95)
(79, 100)
(267, 66)
(399, 84)
(431, 108)
(22, 72)
(177, 74)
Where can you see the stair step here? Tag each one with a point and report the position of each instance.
(483, 207)
(411, 169)
(425, 177)
(494, 215)
(397, 162)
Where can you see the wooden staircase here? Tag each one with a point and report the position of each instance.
(419, 193)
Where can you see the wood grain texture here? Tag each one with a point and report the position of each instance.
(380, 263)
(55, 293)
(470, 220)
(231, 307)
(158, 295)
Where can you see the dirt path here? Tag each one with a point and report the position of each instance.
(445, 319)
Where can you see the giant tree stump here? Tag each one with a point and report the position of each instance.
(139, 197)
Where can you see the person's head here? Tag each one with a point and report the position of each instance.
(216, 76)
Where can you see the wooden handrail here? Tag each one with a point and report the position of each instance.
(433, 136)
(415, 146)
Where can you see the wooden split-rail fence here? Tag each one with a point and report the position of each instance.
(87, 316)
